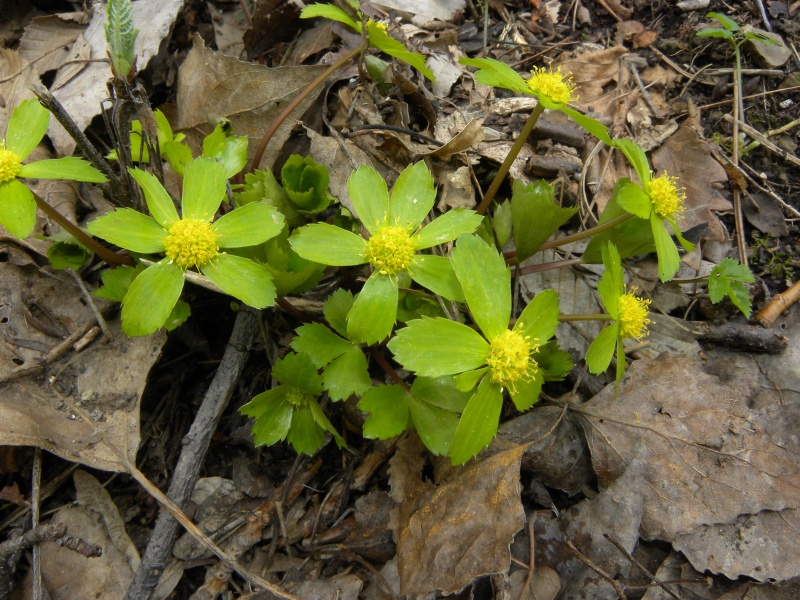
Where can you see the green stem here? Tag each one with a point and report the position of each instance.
(295, 103)
(107, 255)
(584, 317)
(509, 160)
(581, 235)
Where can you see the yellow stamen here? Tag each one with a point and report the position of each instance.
(510, 358)
(191, 243)
(390, 250)
(9, 165)
(666, 196)
(633, 313)
(557, 87)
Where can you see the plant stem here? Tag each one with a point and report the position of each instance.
(738, 113)
(583, 317)
(586, 233)
(509, 160)
(111, 257)
(295, 103)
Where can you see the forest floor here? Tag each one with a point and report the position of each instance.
(681, 483)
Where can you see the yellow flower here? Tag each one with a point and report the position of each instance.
(668, 199)
(552, 84)
(390, 250)
(10, 164)
(633, 313)
(510, 358)
(190, 243)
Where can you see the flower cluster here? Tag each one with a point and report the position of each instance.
(558, 88)
(633, 313)
(668, 199)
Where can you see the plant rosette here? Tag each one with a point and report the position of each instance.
(659, 199)
(553, 89)
(629, 314)
(26, 128)
(391, 246)
(190, 240)
(496, 359)
(290, 410)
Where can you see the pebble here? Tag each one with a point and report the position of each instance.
(769, 56)
(689, 5)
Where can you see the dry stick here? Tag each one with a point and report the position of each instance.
(187, 470)
(36, 499)
(107, 255)
(588, 562)
(741, 242)
(642, 568)
(509, 159)
(779, 303)
(763, 141)
(532, 562)
(296, 102)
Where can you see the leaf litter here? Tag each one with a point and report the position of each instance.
(710, 470)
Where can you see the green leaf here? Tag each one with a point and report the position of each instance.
(467, 381)
(478, 423)
(436, 273)
(336, 308)
(261, 186)
(347, 375)
(329, 245)
(370, 197)
(540, 318)
(26, 127)
(120, 36)
(715, 32)
(159, 202)
(68, 254)
(535, 216)
(248, 225)
(387, 406)
(128, 228)
(323, 422)
(636, 157)
(486, 282)
(234, 155)
(117, 281)
(17, 209)
(718, 285)
(297, 370)
(305, 435)
(632, 237)
(596, 128)
(214, 142)
(319, 343)
(413, 196)
(441, 392)
(306, 183)
(380, 39)
(601, 350)
(525, 392)
(178, 155)
(724, 20)
(502, 223)
(740, 297)
(759, 38)
(434, 425)
(633, 199)
(151, 298)
(668, 259)
(329, 11)
(447, 227)
(497, 74)
(374, 311)
(436, 347)
(241, 278)
(273, 416)
(554, 363)
(621, 362)
(203, 189)
(180, 313)
(611, 285)
(71, 168)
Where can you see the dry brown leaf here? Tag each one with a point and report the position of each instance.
(723, 446)
(272, 21)
(594, 73)
(462, 528)
(86, 406)
(228, 30)
(211, 85)
(16, 80)
(688, 157)
(45, 43)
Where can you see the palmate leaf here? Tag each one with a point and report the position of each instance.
(434, 405)
(387, 406)
(478, 424)
(554, 363)
(322, 421)
(347, 375)
(740, 297)
(117, 281)
(374, 311)
(437, 347)
(633, 200)
(319, 343)
(273, 415)
(203, 189)
(305, 435)
(297, 370)
(726, 271)
(370, 197)
(486, 282)
(535, 216)
(248, 225)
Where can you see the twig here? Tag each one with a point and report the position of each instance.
(738, 219)
(195, 446)
(779, 303)
(532, 562)
(645, 94)
(763, 14)
(762, 139)
(773, 132)
(642, 568)
(610, 11)
(585, 560)
(36, 499)
(90, 300)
